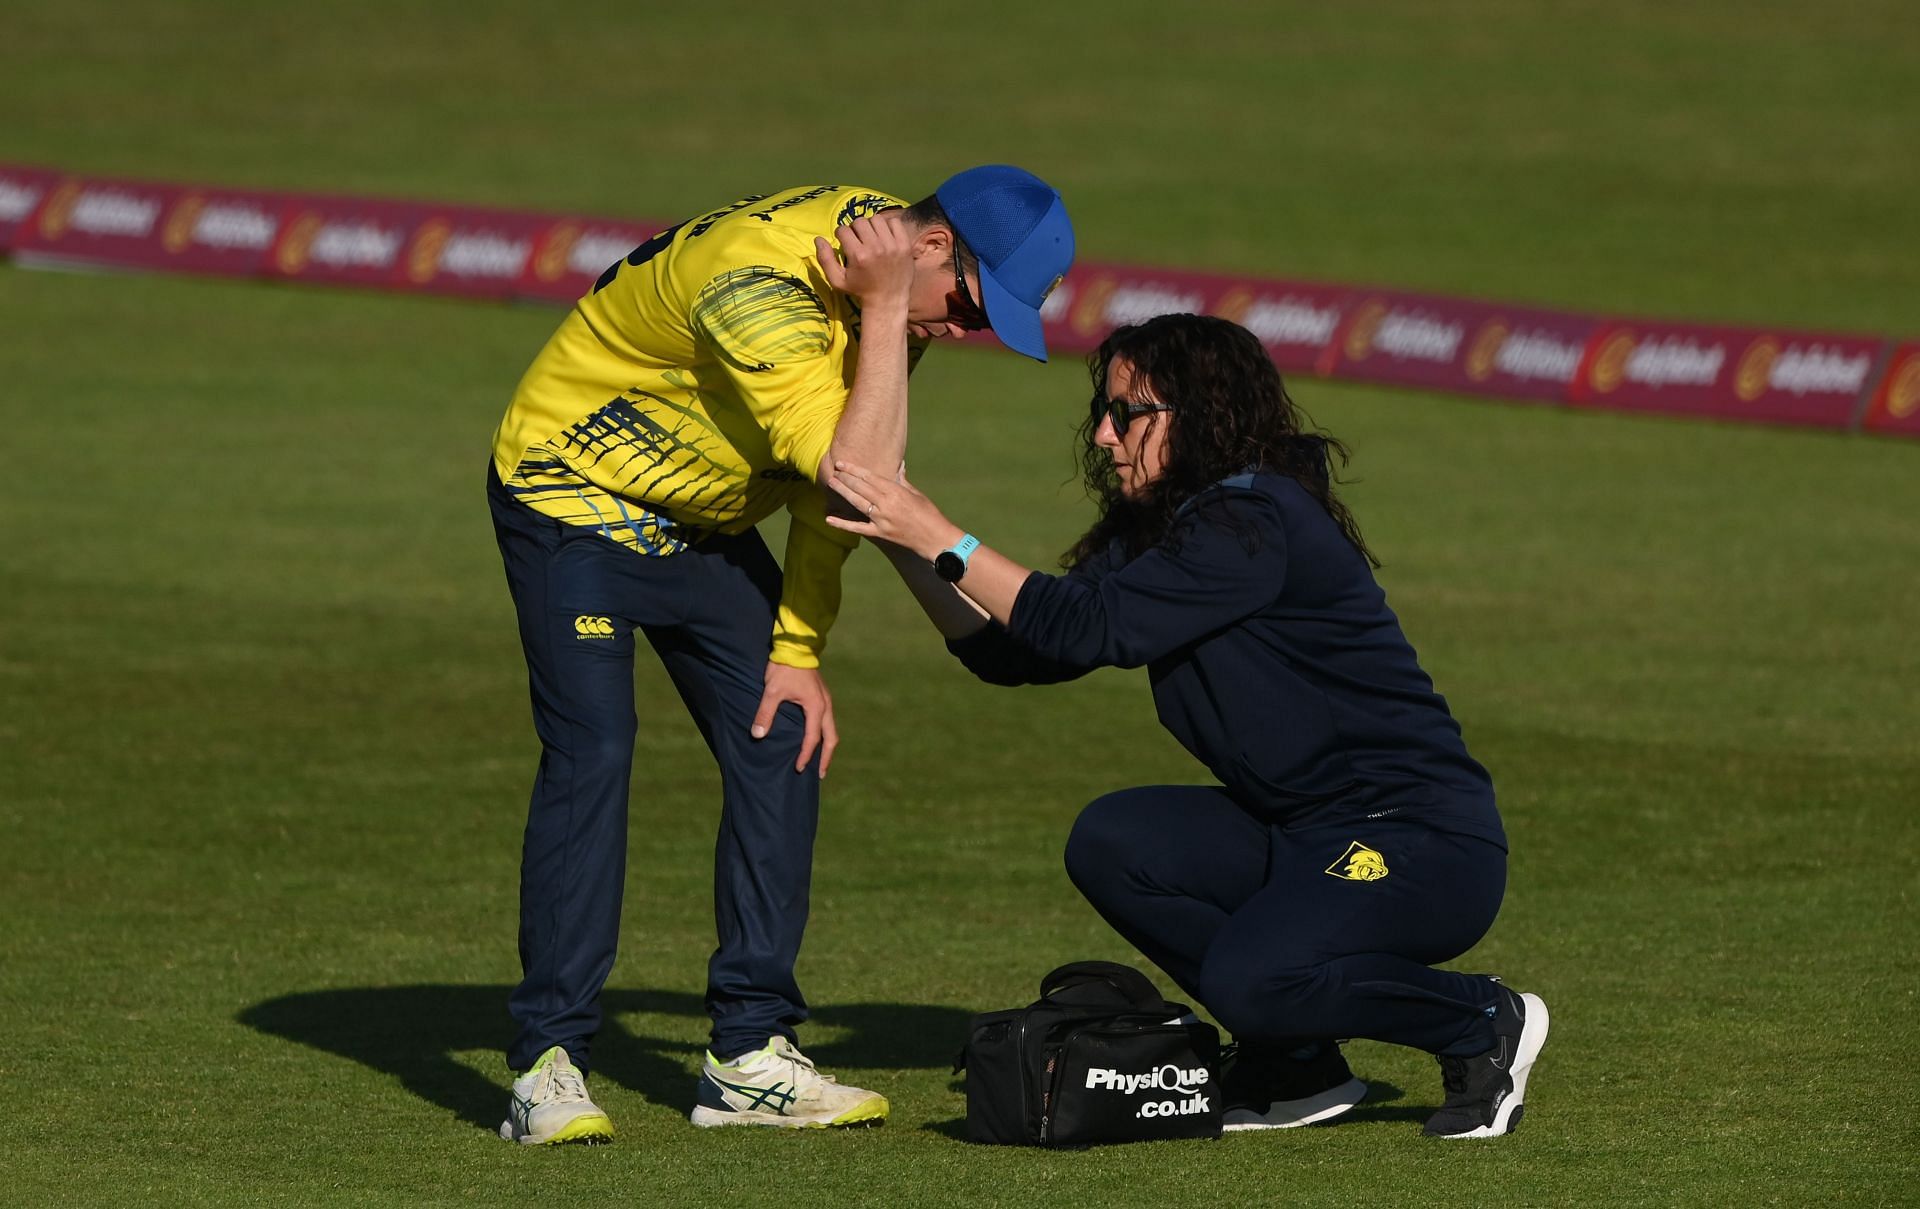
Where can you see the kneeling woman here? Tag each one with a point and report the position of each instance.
(1352, 842)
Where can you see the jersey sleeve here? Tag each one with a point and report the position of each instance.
(810, 581)
(772, 337)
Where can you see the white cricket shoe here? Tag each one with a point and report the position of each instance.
(779, 1086)
(550, 1106)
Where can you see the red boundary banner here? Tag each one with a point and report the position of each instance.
(345, 241)
(478, 253)
(569, 254)
(138, 225)
(1453, 344)
(1295, 320)
(22, 190)
(1426, 341)
(1895, 409)
(1770, 375)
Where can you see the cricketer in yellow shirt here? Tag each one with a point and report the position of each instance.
(710, 378)
(697, 390)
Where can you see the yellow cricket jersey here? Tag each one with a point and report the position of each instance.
(696, 390)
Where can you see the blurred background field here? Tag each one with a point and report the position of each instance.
(264, 744)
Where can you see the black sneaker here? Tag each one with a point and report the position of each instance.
(1265, 1088)
(1485, 1093)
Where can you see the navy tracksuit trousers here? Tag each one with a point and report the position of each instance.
(1257, 922)
(708, 613)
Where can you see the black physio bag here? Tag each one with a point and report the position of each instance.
(1099, 1057)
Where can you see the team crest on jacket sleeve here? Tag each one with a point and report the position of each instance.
(1359, 864)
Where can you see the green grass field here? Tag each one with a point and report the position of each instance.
(264, 743)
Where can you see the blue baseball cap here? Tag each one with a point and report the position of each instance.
(1017, 226)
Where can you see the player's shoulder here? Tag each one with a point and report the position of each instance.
(788, 218)
(1252, 483)
(766, 242)
(1299, 484)
(1257, 496)
(818, 208)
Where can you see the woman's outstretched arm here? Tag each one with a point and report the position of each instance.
(974, 634)
(944, 604)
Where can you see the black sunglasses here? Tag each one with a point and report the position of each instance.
(1122, 412)
(962, 311)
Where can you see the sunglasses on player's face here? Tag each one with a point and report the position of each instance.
(962, 311)
(1122, 411)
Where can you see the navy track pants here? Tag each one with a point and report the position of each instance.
(708, 613)
(1292, 935)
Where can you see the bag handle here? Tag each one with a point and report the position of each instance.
(1129, 985)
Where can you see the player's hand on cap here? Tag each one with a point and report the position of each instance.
(875, 259)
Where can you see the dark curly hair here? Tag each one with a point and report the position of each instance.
(1231, 414)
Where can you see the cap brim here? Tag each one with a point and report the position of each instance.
(1016, 324)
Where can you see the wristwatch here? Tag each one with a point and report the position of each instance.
(951, 563)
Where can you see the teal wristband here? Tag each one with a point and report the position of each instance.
(951, 563)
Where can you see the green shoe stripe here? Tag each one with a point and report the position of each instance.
(762, 1097)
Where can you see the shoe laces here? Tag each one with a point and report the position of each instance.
(797, 1062)
(565, 1086)
(1453, 1075)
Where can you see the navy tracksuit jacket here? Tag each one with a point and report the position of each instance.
(1351, 842)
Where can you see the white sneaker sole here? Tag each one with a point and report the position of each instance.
(1291, 1114)
(1533, 1035)
(874, 1109)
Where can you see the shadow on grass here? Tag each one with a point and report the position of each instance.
(1380, 1106)
(413, 1033)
